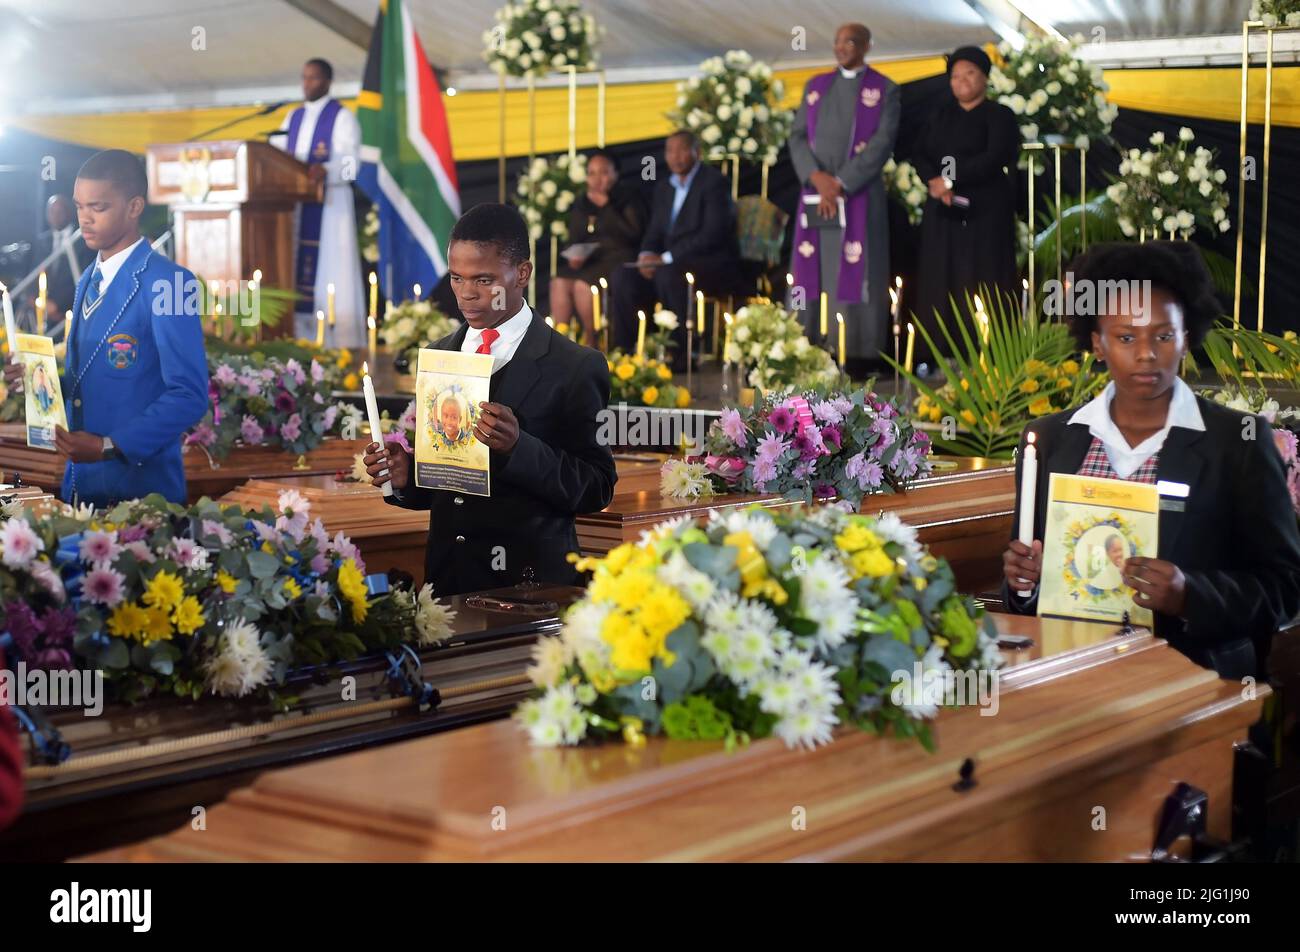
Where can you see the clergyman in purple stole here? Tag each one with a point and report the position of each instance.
(846, 126)
(309, 218)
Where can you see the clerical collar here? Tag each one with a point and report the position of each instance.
(850, 73)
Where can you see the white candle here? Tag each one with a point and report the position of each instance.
(1028, 486)
(1024, 297)
(372, 411)
(11, 326)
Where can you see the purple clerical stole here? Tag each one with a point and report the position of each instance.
(853, 247)
(304, 272)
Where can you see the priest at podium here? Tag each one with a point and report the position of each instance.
(327, 137)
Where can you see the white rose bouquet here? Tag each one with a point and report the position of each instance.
(536, 37)
(547, 190)
(1275, 13)
(905, 184)
(734, 108)
(1170, 189)
(1053, 92)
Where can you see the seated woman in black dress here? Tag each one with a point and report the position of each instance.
(1228, 572)
(614, 218)
(967, 157)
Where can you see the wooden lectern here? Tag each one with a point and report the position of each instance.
(233, 208)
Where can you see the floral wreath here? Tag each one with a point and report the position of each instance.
(469, 413)
(1075, 585)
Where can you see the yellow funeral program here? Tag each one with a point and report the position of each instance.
(449, 386)
(41, 387)
(1093, 526)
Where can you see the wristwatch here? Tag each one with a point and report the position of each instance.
(110, 451)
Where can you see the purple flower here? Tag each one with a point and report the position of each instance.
(252, 384)
(906, 463)
(331, 414)
(53, 659)
(19, 543)
(251, 431)
(831, 436)
(22, 624)
(140, 549)
(60, 624)
(317, 398)
(317, 371)
(103, 586)
(842, 405)
(399, 437)
(265, 532)
(284, 402)
(320, 564)
(824, 490)
(291, 429)
(804, 468)
(345, 549)
(294, 370)
(868, 473)
(770, 447)
(733, 425)
(827, 412)
(131, 534)
(225, 375)
(764, 472)
(214, 528)
(202, 434)
(805, 447)
(99, 547)
(885, 429)
(407, 419)
(782, 420)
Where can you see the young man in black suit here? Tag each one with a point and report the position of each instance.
(540, 425)
(1227, 574)
(692, 228)
(61, 274)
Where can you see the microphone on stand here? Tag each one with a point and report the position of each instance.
(260, 111)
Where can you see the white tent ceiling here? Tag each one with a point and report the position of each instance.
(67, 55)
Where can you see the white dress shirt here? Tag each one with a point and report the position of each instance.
(1125, 459)
(109, 268)
(512, 332)
(850, 73)
(681, 188)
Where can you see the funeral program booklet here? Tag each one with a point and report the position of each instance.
(449, 386)
(44, 397)
(1093, 526)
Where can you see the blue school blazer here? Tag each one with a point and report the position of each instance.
(136, 372)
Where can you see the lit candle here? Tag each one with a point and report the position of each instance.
(372, 411)
(11, 327)
(726, 344)
(840, 319)
(257, 275)
(373, 334)
(216, 318)
(690, 298)
(67, 324)
(699, 311)
(825, 322)
(417, 292)
(320, 328)
(595, 309)
(1024, 297)
(40, 303)
(1028, 486)
(374, 295)
(789, 280)
(640, 334)
(329, 304)
(983, 319)
(550, 323)
(911, 342)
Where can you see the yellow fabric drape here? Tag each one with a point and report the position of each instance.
(636, 111)
(633, 111)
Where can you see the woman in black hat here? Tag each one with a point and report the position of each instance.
(967, 157)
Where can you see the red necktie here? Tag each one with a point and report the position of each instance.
(489, 338)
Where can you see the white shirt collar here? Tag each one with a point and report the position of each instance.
(109, 268)
(315, 105)
(1125, 459)
(512, 331)
(850, 73)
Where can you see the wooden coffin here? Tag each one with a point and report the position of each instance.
(963, 511)
(204, 476)
(389, 537)
(1085, 745)
(138, 770)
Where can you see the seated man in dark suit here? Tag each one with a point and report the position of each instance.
(61, 274)
(692, 228)
(541, 425)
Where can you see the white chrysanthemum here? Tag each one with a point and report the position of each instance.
(242, 639)
(682, 480)
(432, 618)
(826, 599)
(689, 582)
(890, 528)
(582, 634)
(19, 543)
(666, 529)
(922, 702)
(554, 719)
(550, 657)
(757, 523)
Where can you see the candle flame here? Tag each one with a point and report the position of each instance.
(727, 317)
(329, 288)
(898, 282)
(893, 296)
(839, 317)
(1024, 283)
(370, 322)
(3, 289)
(257, 274)
(320, 315)
(595, 290)
(690, 278)
(1030, 436)
(417, 292)
(789, 279)
(603, 283)
(640, 315)
(365, 367)
(374, 278)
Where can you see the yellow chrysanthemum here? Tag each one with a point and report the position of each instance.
(632, 590)
(856, 536)
(292, 589)
(345, 357)
(353, 586)
(625, 371)
(969, 417)
(157, 626)
(1063, 384)
(1029, 386)
(664, 372)
(629, 647)
(649, 395)
(617, 558)
(873, 562)
(935, 415)
(1040, 406)
(351, 382)
(683, 398)
(227, 582)
(163, 591)
(188, 616)
(663, 611)
(1070, 367)
(965, 384)
(127, 620)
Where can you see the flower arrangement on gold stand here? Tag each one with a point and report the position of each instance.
(1004, 371)
(770, 341)
(1170, 189)
(1053, 91)
(735, 108)
(1276, 13)
(763, 623)
(644, 381)
(535, 37)
(410, 325)
(547, 190)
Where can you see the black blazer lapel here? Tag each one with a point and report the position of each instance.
(1180, 462)
(523, 372)
(1061, 451)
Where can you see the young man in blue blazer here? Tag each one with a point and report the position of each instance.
(135, 376)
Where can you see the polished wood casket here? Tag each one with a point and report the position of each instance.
(232, 207)
(139, 770)
(1093, 730)
(204, 476)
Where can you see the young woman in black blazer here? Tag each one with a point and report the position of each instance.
(1228, 572)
